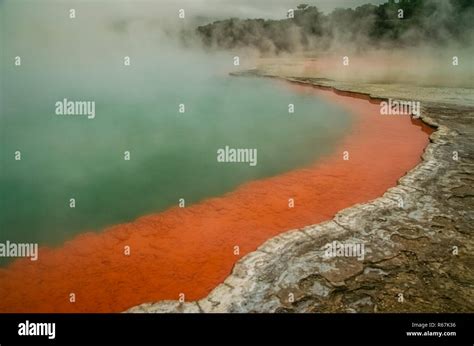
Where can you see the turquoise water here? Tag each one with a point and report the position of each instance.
(173, 155)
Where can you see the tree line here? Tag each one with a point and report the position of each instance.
(402, 23)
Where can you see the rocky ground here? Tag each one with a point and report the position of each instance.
(418, 237)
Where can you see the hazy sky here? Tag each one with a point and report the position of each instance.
(202, 11)
(214, 9)
(262, 8)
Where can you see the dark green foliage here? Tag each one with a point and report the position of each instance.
(435, 21)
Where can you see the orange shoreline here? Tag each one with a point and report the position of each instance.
(191, 250)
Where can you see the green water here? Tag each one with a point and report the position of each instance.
(173, 155)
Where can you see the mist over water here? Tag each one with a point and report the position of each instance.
(173, 155)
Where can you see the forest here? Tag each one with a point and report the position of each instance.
(392, 24)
